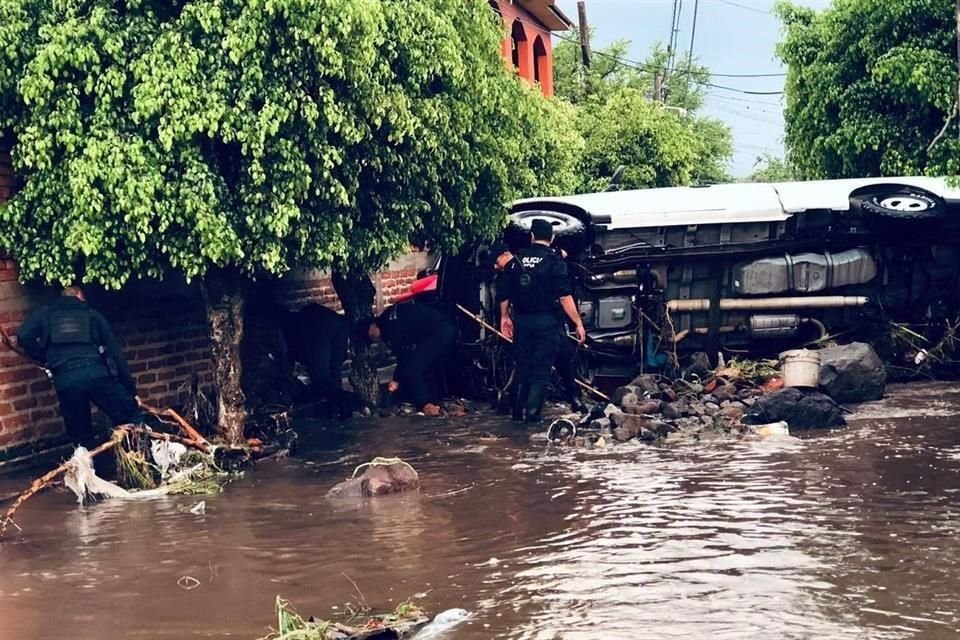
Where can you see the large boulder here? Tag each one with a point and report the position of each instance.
(852, 373)
(378, 480)
(800, 409)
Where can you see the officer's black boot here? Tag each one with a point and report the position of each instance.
(519, 402)
(576, 404)
(534, 406)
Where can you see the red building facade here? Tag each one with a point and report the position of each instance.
(528, 46)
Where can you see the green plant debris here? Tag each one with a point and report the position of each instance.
(197, 473)
(754, 371)
(407, 618)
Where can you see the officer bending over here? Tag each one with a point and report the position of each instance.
(532, 292)
(420, 337)
(72, 340)
(317, 337)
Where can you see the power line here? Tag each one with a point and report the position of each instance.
(719, 96)
(642, 66)
(743, 6)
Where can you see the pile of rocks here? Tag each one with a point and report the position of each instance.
(652, 407)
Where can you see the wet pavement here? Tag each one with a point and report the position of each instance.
(841, 534)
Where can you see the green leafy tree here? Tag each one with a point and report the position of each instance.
(619, 128)
(871, 85)
(655, 146)
(224, 140)
(771, 169)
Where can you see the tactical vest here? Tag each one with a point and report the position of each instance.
(533, 291)
(69, 326)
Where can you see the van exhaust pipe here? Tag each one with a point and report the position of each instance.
(747, 304)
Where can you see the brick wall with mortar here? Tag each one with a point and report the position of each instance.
(162, 331)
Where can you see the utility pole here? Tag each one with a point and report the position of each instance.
(693, 34)
(585, 33)
(658, 86)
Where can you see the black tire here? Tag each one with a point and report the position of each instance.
(570, 232)
(900, 204)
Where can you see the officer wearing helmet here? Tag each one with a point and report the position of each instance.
(528, 297)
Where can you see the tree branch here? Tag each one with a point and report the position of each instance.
(946, 125)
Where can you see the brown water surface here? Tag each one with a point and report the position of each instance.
(842, 534)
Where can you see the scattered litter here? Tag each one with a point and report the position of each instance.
(166, 454)
(443, 623)
(188, 583)
(200, 508)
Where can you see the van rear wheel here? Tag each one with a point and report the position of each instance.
(899, 204)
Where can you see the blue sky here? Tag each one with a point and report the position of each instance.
(732, 37)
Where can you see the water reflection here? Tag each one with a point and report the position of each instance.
(846, 534)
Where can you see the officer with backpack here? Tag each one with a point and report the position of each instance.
(531, 292)
(73, 341)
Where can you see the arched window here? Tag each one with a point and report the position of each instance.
(518, 42)
(541, 63)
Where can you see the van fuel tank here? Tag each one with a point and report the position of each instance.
(804, 273)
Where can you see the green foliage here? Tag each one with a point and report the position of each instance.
(870, 84)
(261, 134)
(772, 169)
(654, 145)
(622, 125)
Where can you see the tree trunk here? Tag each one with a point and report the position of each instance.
(224, 298)
(356, 293)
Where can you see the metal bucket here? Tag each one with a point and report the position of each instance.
(800, 368)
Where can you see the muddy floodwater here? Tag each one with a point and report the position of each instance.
(841, 534)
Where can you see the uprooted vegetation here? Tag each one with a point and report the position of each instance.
(405, 620)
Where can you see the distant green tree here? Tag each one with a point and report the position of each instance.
(768, 168)
(615, 89)
(226, 139)
(871, 84)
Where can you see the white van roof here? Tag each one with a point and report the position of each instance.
(738, 202)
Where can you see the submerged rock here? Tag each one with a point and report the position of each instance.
(852, 373)
(799, 409)
(378, 480)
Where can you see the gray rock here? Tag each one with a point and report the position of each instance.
(748, 393)
(699, 366)
(648, 407)
(708, 398)
(628, 401)
(800, 409)
(852, 373)
(618, 395)
(732, 412)
(698, 408)
(600, 423)
(672, 411)
(378, 480)
(711, 408)
(646, 384)
(725, 392)
(706, 421)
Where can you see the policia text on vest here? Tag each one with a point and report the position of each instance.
(532, 293)
(74, 342)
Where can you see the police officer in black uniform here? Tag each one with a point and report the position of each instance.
(504, 264)
(420, 337)
(72, 341)
(317, 337)
(532, 292)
